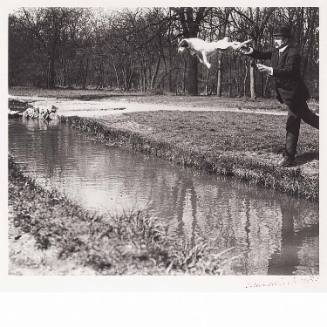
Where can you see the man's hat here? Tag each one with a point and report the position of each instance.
(283, 30)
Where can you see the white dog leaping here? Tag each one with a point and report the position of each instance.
(203, 50)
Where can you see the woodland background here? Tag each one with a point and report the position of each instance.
(135, 50)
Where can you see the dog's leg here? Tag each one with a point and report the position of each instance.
(205, 60)
(199, 55)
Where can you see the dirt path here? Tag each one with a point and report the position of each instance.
(117, 106)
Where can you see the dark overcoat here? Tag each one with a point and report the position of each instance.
(289, 84)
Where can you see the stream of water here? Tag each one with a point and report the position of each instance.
(268, 232)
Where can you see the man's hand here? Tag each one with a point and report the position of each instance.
(265, 69)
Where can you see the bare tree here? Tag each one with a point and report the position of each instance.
(253, 20)
(136, 48)
(190, 20)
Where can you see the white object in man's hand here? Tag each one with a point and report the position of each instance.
(265, 69)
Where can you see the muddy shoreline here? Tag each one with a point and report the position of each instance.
(250, 169)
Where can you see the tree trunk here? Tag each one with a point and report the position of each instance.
(124, 78)
(140, 81)
(230, 83)
(219, 74)
(207, 82)
(52, 58)
(307, 55)
(154, 76)
(222, 33)
(192, 76)
(117, 76)
(245, 77)
(184, 76)
(149, 79)
(170, 84)
(238, 78)
(67, 75)
(191, 19)
(145, 81)
(252, 79)
(101, 75)
(85, 73)
(170, 60)
(51, 74)
(129, 81)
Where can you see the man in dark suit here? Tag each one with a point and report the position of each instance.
(289, 86)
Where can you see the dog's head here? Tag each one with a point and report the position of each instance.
(182, 45)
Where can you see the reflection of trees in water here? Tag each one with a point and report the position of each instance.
(309, 253)
(214, 213)
(247, 233)
(185, 186)
(62, 150)
(272, 230)
(254, 222)
(261, 234)
(293, 253)
(251, 221)
(40, 142)
(153, 181)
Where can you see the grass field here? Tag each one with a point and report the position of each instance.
(213, 132)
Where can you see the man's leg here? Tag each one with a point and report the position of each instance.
(296, 111)
(308, 116)
(292, 133)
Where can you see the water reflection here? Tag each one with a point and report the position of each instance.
(292, 256)
(40, 124)
(268, 233)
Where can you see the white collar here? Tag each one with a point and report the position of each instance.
(283, 48)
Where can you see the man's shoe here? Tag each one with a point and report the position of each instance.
(286, 162)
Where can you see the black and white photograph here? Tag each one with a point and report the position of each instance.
(163, 141)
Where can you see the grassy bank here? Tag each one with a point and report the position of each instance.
(242, 145)
(48, 234)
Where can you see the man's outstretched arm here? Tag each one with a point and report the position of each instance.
(249, 51)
